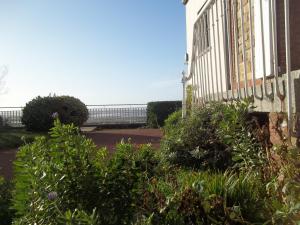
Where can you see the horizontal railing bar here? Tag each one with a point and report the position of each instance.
(21, 107)
(98, 114)
(116, 105)
(11, 107)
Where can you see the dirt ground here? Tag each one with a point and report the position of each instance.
(101, 138)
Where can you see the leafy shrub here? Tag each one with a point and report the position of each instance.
(119, 187)
(6, 214)
(194, 143)
(172, 122)
(195, 198)
(37, 114)
(189, 99)
(235, 129)
(158, 112)
(284, 184)
(13, 138)
(216, 136)
(78, 217)
(61, 164)
(67, 175)
(205, 198)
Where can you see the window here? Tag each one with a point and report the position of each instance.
(203, 23)
(206, 30)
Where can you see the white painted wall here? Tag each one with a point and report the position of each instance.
(211, 66)
(192, 9)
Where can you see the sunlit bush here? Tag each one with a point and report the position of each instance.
(38, 113)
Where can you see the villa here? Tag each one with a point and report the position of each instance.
(247, 49)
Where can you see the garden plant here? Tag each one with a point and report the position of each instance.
(211, 169)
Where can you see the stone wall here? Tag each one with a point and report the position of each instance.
(278, 128)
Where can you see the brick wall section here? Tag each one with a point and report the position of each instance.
(247, 61)
(295, 37)
(295, 34)
(277, 127)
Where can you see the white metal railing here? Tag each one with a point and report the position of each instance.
(11, 116)
(98, 114)
(219, 65)
(117, 114)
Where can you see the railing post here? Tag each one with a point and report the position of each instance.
(288, 65)
(244, 49)
(270, 96)
(236, 48)
(215, 51)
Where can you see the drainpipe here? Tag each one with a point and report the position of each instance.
(183, 81)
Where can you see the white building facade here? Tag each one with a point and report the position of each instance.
(245, 49)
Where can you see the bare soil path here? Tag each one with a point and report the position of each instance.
(101, 138)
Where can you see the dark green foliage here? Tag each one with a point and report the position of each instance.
(189, 99)
(236, 130)
(66, 179)
(83, 177)
(216, 137)
(158, 112)
(284, 185)
(205, 198)
(118, 189)
(1, 123)
(37, 114)
(79, 217)
(6, 214)
(194, 143)
(61, 164)
(172, 122)
(15, 137)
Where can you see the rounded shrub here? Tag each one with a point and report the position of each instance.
(38, 113)
(195, 143)
(158, 112)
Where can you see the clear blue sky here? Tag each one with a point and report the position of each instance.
(101, 51)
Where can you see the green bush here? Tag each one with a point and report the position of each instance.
(235, 128)
(216, 136)
(284, 184)
(78, 217)
(67, 172)
(38, 113)
(189, 99)
(1, 123)
(13, 138)
(61, 164)
(66, 179)
(173, 121)
(205, 198)
(158, 112)
(6, 214)
(194, 143)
